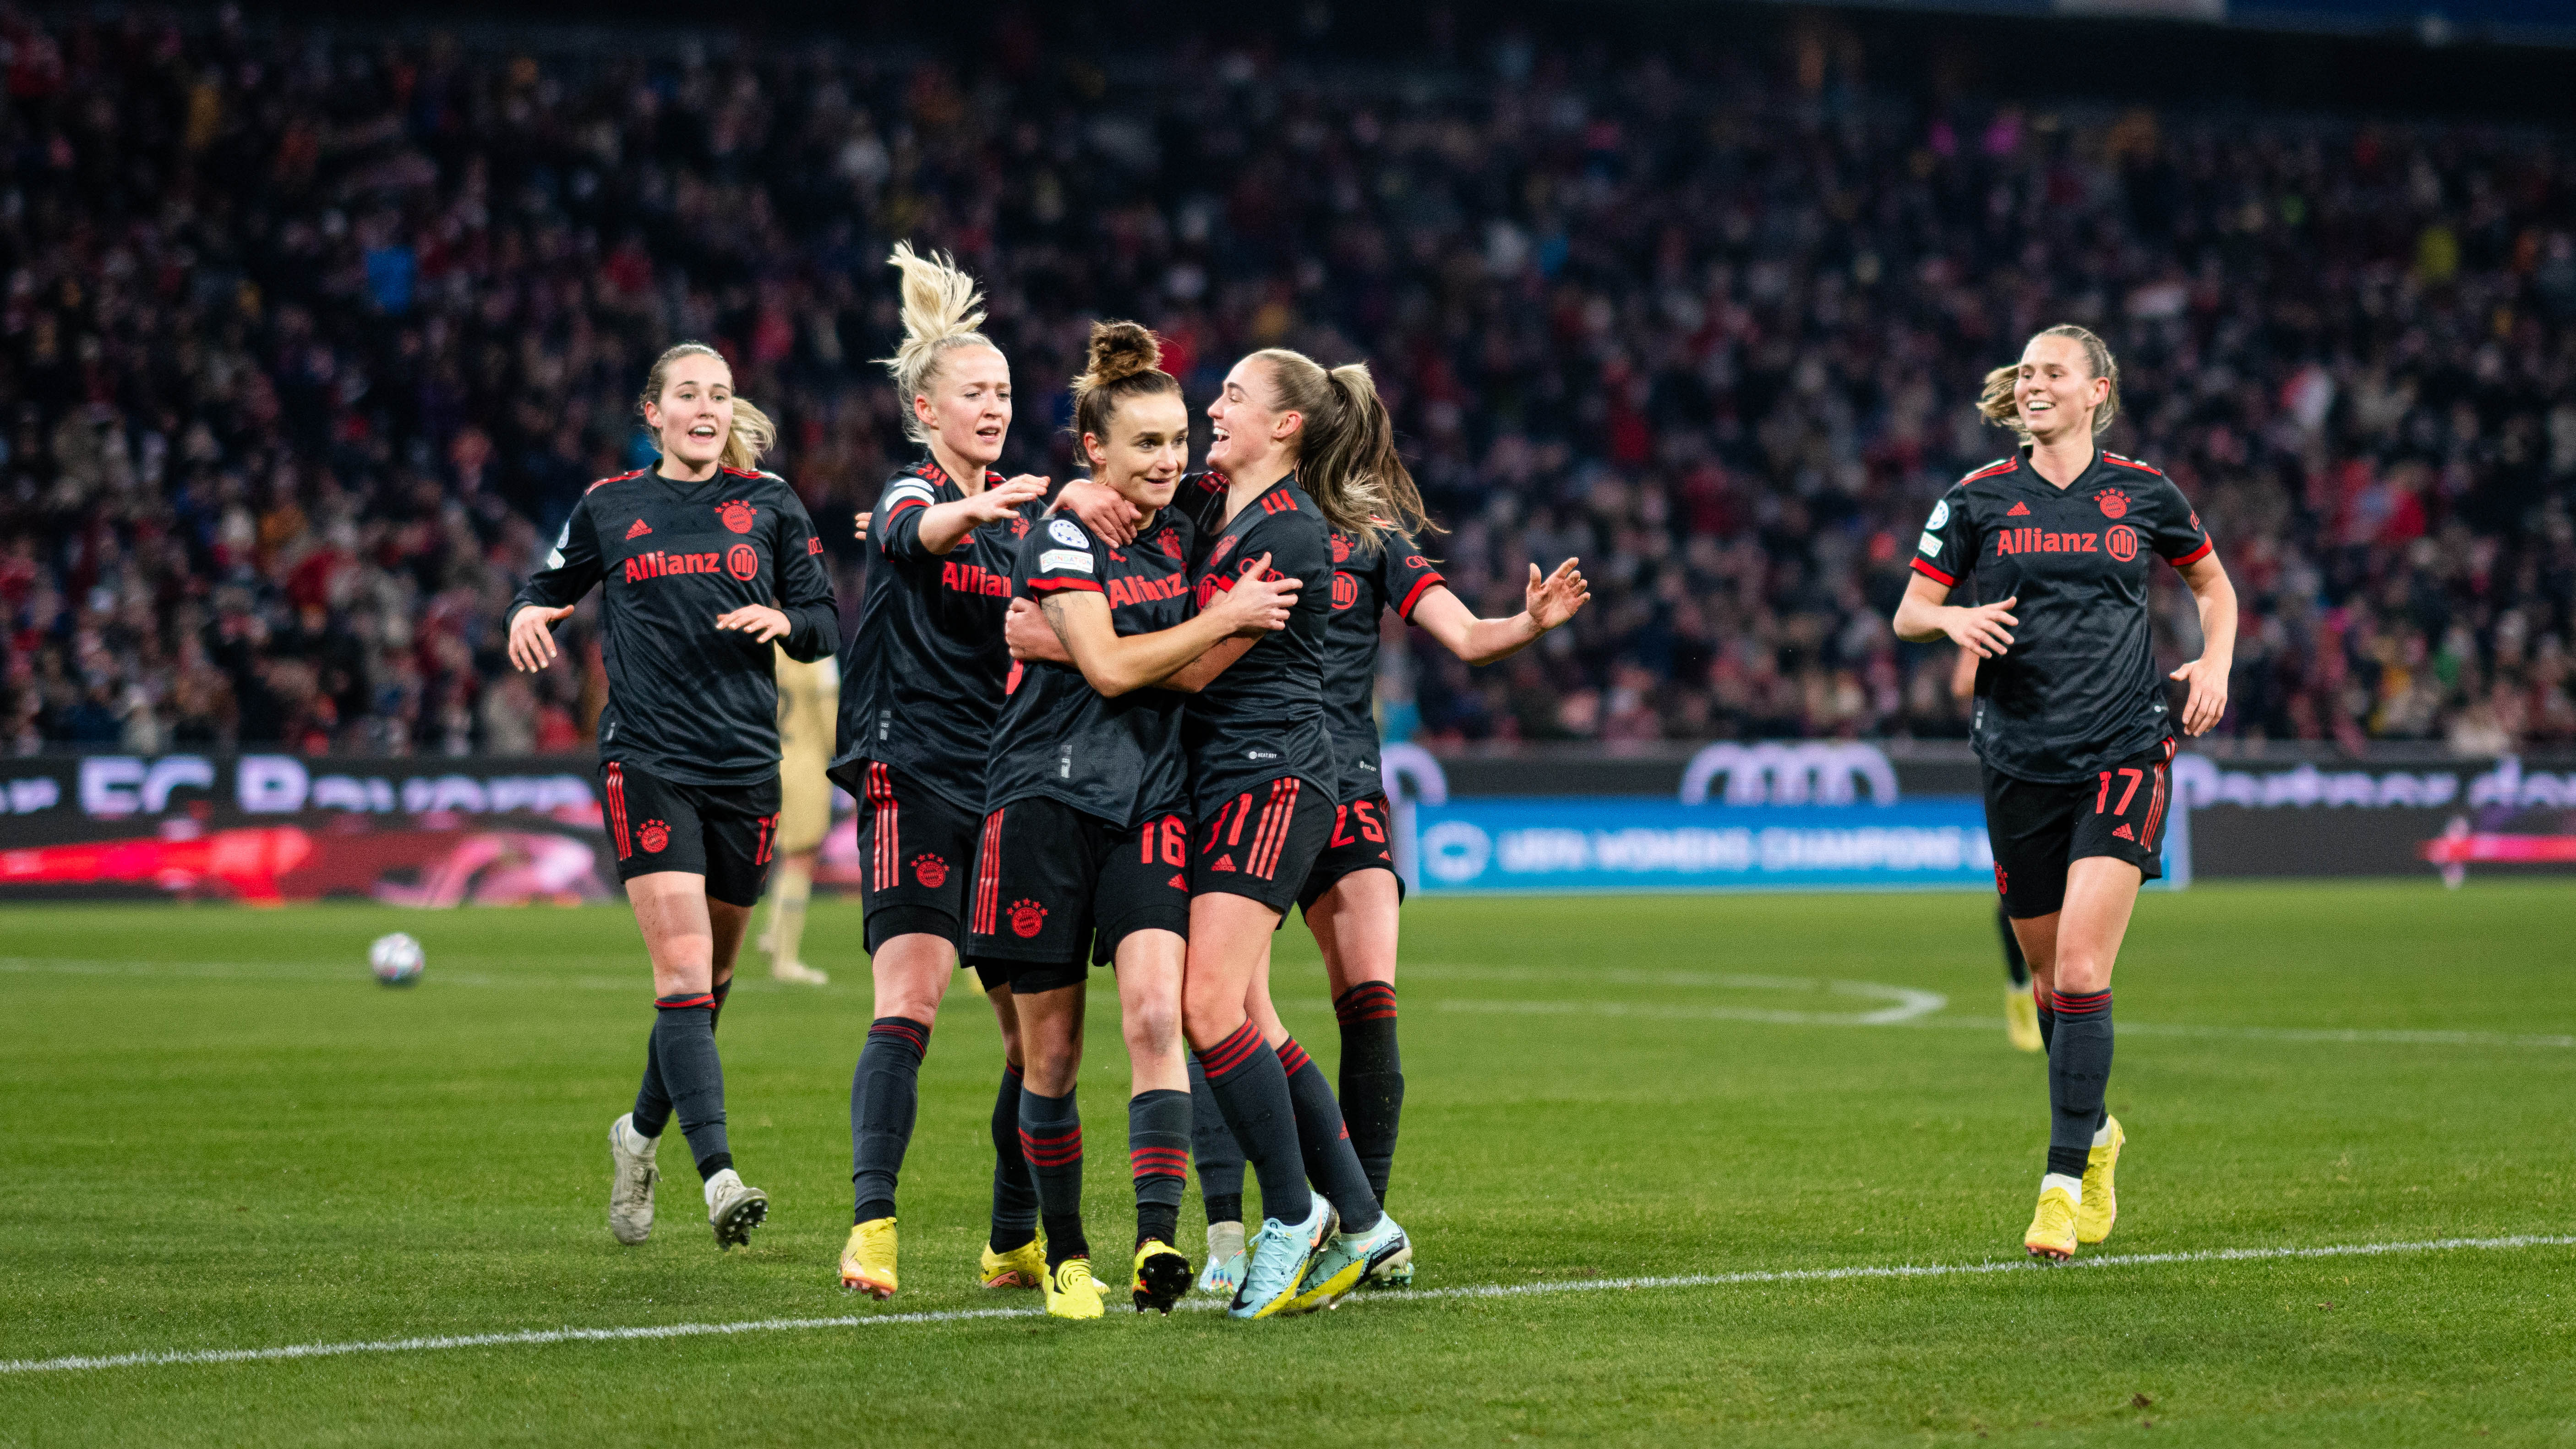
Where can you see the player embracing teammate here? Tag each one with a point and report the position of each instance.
(2070, 718)
(689, 554)
(1085, 850)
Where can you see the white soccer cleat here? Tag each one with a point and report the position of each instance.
(1225, 1261)
(630, 1183)
(797, 973)
(734, 1209)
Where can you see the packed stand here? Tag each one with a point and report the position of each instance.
(309, 346)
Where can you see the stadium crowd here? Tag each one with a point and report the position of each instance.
(308, 346)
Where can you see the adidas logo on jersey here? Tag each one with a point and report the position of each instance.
(2123, 833)
(2018, 510)
(640, 529)
(1180, 882)
(1223, 862)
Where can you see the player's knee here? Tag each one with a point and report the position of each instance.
(2081, 973)
(1151, 1027)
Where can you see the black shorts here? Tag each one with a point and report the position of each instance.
(2039, 830)
(917, 850)
(1056, 890)
(1363, 832)
(723, 832)
(1263, 843)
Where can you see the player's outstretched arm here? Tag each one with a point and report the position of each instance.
(1547, 601)
(2207, 675)
(943, 526)
(1985, 631)
(1115, 665)
(572, 569)
(1109, 516)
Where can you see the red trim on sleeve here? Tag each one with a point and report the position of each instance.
(1048, 586)
(901, 504)
(1991, 469)
(2126, 463)
(1935, 575)
(2195, 556)
(1404, 610)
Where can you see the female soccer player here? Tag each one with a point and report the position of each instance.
(2070, 719)
(921, 686)
(691, 553)
(1085, 850)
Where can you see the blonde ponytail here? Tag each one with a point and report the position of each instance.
(1346, 455)
(753, 432)
(942, 308)
(1995, 402)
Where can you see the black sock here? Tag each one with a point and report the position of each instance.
(2016, 965)
(1325, 1142)
(652, 1104)
(1158, 1156)
(1220, 1157)
(1051, 1139)
(1251, 1091)
(1372, 1078)
(1015, 1198)
(885, 1095)
(2079, 1067)
(2047, 1021)
(684, 1042)
(722, 990)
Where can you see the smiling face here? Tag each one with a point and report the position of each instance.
(1147, 450)
(1252, 437)
(694, 415)
(2055, 393)
(967, 406)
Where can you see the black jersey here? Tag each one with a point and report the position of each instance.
(921, 679)
(1395, 576)
(1117, 759)
(1263, 718)
(2078, 692)
(686, 700)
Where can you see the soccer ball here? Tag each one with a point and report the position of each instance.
(396, 959)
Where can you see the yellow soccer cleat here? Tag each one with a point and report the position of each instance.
(2021, 1020)
(1071, 1291)
(1022, 1267)
(2051, 1238)
(867, 1260)
(2101, 1203)
(1162, 1276)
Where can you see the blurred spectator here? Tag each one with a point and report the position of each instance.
(308, 345)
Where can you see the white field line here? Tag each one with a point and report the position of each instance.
(1488, 1290)
(1678, 1011)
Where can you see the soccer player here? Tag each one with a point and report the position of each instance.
(1085, 850)
(809, 699)
(704, 561)
(2021, 1007)
(1351, 896)
(2070, 720)
(921, 686)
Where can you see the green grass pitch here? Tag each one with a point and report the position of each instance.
(220, 1134)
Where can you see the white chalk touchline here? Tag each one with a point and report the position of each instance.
(1682, 1011)
(1487, 1290)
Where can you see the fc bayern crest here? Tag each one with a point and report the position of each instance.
(1341, 548)
(653, 837)
(2115, 504)
(1170, 539)
(930, 870)
(1027, 918)
(736, 515)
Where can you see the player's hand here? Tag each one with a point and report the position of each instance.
(1112, 519)
(1558, 597)
(1031, 637)
(1981, 630)
(2208, 702)
(760, 621)
(861, 532)
(532, 640)
(1004, 500)
(1258, 603)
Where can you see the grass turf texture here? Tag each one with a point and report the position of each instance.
(222, 1134)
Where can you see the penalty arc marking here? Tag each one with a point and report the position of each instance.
(648, 1332)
